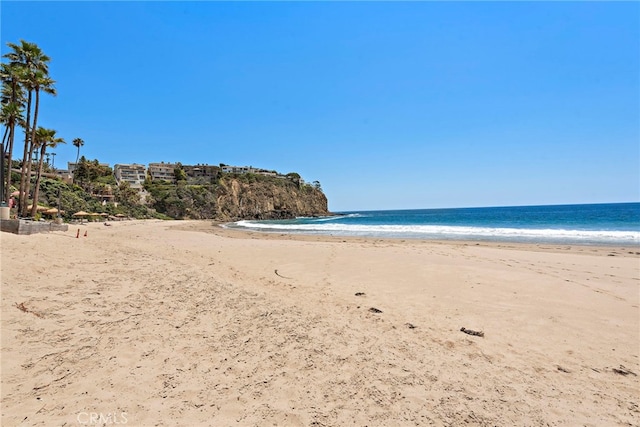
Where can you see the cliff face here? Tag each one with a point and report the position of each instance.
(275, 199)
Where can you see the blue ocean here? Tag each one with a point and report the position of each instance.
(593, 224)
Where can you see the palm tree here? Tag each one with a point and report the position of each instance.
(38, 82)
(78, 142)
(10, 115)
(33, 68)
(22, 207)
(44, 139)
(12, 100)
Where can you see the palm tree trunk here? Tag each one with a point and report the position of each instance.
(12, 132)
(6, 132)
(22, 207)
(32, 145)
(36, 189)
(9, 153)
(76, 166)
(4, 138)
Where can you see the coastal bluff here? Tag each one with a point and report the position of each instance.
(267, 199)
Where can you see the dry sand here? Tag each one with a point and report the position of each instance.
(149, 323)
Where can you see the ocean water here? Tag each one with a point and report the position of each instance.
(594, 224)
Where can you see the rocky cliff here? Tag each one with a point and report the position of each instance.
(240, 198)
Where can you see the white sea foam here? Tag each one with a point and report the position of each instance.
(450, 232)
(334, 218)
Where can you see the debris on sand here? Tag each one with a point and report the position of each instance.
(24, 309)
(280, 275)
(624, 371)
(472, 332)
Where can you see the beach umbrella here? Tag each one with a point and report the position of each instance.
(93, 216)
(81, 215)
(52, 211)
(38, 208)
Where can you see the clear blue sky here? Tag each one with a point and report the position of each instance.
(390, 105)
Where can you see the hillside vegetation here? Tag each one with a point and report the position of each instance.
(229, 197)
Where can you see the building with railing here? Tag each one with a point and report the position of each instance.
(134, 174)
(162, 171)
(201, 173)
(236, 169)
(247, 169)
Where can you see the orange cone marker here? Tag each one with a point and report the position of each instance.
(85, 233)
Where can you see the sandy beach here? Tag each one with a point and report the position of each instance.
(151, 323)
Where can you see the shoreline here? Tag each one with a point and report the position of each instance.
(469, 239)
(192, 324)
(220, 229)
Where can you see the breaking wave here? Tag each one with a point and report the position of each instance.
(327, 227)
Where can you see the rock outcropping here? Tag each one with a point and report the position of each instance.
(268, 199)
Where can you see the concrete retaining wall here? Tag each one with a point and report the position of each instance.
(23, 227)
